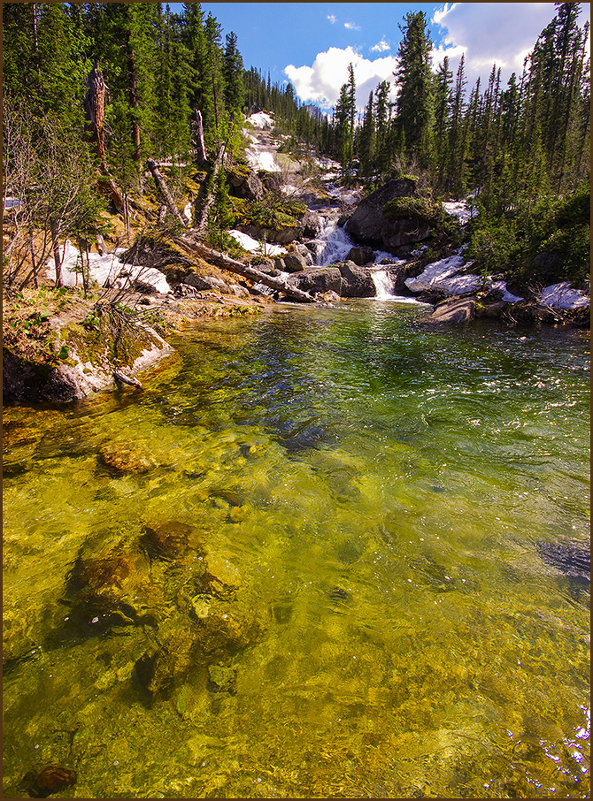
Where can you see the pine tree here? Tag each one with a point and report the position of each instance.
(415, 102)
(366, 147)
(233, 74)
(443, 100)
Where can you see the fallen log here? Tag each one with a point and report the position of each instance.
(164, 189)
(226, 263)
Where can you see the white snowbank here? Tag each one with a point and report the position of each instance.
(261, 120)
(187, 213)
(436, 274)
(253, 246)
(563, 296)
(507, 296)
(459, 209)
(106, 270)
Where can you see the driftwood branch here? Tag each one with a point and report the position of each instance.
(124, 379)
(164, 189)
(226, 263)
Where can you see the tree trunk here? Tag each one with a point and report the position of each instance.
(198, 131)
(160, 182)
(226, 263)
(210, 191)
(94, 107)
(56, 248)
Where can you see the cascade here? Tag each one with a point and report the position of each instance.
(383, 284)
(338, 244)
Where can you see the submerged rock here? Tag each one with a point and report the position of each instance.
(171, 539)
(222, 679)
(50, 780)
(123, 457)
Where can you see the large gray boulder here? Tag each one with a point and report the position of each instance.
(245, 184)
(357, 281)
(294, 262)
(361, 255)
(368, 222)
(317, 279)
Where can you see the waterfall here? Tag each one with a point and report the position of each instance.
(338, 244)
(383, 284)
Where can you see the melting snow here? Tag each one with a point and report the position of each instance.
(563, 296)
(259, 158)
(507, 296)
(253, 246)
(107, 269)
(261, 120)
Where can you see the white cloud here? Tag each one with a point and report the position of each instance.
(440, 14)
(381, 47)
(490, 33)
(352, 26)
(321, 82)
(332, 18)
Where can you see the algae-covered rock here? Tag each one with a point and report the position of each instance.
(112, 575)
(124, 457)
(222, 679)
(171, 539)
(159, 669)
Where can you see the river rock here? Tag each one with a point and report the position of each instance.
(357, 281)
(123, 458)
(312, 223)
(294, 262)
(205, 282)
(369, 224)
(317, 279)
(171, 539)
(222, 679)
(361, 255)
(454, 310)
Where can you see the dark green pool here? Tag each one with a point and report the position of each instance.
(355, 599)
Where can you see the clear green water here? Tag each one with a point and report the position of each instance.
(374, 491)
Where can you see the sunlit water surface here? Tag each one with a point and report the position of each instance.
(376, 490)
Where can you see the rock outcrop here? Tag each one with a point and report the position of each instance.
(317, 280)
(357, 281)
(370, 225)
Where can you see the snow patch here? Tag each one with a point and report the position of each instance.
(261, 120)
(507, 296)
(106, 270)
(563, 296)
(253, 246)
(443, 275)
(11, 203)
(459, 209)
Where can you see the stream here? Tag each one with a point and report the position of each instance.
(326, 552)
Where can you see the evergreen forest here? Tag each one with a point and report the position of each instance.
(520, 151)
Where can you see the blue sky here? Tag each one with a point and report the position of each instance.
(312, 43)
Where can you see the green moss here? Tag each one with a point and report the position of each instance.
(401, 208)
(117, 340)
